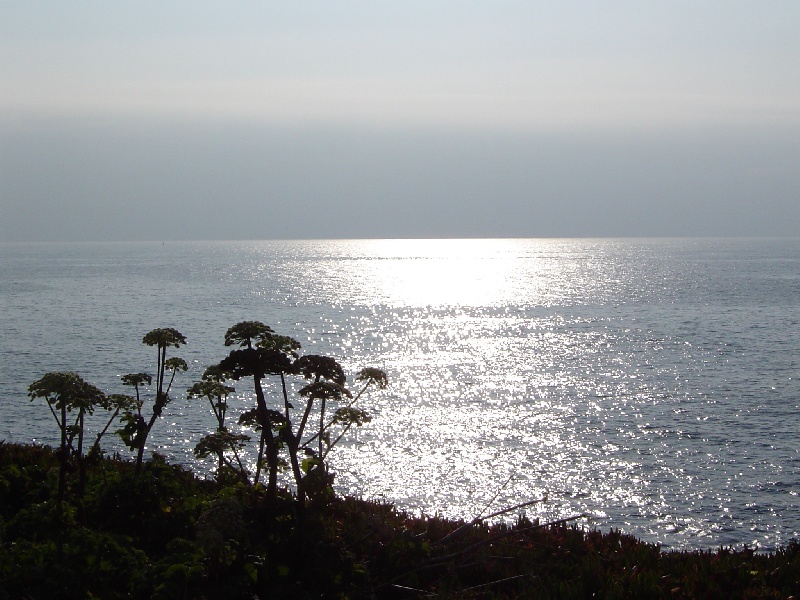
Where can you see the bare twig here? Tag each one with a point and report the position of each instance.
(434, 562)
(509, 533)
(483, 585)
(496, 494)
(479, 519)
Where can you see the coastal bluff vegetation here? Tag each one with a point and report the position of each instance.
(77, 522)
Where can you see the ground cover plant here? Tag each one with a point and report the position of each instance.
(170, 534)
(90, 525)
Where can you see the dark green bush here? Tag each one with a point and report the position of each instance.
(169, 534)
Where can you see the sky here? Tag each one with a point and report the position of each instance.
(409, 119)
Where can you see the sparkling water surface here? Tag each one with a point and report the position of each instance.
(651, 384)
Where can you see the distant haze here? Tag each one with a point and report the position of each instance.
(256, 120)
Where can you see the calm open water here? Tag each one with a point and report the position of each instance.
(652, 384)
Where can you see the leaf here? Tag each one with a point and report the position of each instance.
(131, 431)
(136, 379)
(313, 366)
(215, 373)
(327, 390)
(164, 338)
(246, 332)
(248, 362)
(219, 442)
(249, 418)
(351, 416)
(176, 364)
(209, 389)
(309, 463)
(252, 571)
(67, 390)
(120, 402)
(280, 343)
(373, 375)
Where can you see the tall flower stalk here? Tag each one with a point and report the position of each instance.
(137, 428)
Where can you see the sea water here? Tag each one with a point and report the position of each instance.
(649, 384)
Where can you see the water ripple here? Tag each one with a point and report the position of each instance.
(649, 384)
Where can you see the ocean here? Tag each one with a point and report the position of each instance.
(652, 385)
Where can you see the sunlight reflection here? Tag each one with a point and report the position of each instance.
(444, 272)
(571, 368)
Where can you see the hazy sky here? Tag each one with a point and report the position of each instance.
(338, 119)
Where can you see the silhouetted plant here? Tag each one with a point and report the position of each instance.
(132, 419)
(319, 368)
(266, 353)
(212, 387)
(347, 416)
(328, 385)
(281, 354)
(261, 353)
(317, 481)
(253, 362)
(137, 429)
(221, 441)
(118, 403)
(65, 393)
(219, 444)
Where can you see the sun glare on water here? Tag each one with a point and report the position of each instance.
(611, 376)
(441, 272)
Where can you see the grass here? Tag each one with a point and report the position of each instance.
(170, 534)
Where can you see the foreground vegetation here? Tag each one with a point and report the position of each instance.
(76, 523)
(170, 534)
